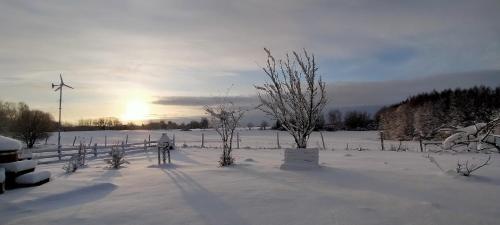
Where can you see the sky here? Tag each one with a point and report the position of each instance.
(141, 60)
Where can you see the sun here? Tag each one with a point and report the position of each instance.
(136, 110)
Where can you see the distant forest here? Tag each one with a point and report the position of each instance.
(425, 114)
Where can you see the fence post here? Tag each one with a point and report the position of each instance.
(126, 139)
(149, 140)
(382, 140)
(90, 143)
(420, 137)
(84, 154)
(123, 146)
(95, 150)
(46, 139)
(74, 141)
(173, 140)
(278, 139)
(237, 140)
(322, 140)
(145, 147)
(202, 140)
(105, 141)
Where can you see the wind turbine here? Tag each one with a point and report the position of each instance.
(59, 87)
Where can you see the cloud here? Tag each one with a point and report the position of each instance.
(345, 94)
(365, 93)
(189, 48)
(204, 100)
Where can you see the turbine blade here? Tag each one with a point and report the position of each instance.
(60, 76)
(57, 89)
(68, 86)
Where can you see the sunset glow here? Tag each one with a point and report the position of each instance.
(136, 110)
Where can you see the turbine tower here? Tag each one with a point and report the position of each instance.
(59, 87)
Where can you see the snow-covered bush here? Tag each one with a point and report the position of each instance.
(477, 137)
(225, 119)
(76, 161)
(71, 165)
(117, 157)
(466, 169)
(295, 94)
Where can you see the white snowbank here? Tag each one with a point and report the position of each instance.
(9, 144)
(371, 187)
(19, 165)
(33, 177)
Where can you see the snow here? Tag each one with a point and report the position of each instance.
(19, 165)
(9, 144)
(2, 175)
(351, 187)
(33, 177)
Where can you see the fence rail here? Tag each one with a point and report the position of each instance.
(44, 155)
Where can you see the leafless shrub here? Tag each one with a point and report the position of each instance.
(466, 169)
(295, 94)
(225, 118)
(76, 161)
(71, 165)
(117, 157)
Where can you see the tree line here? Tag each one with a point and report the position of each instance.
(113, 123)
(335, 120)
(19, 121)
(424, 114)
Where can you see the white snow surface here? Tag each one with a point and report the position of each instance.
(351, 187)
(33, 177)
(19, 165)
(9, 144)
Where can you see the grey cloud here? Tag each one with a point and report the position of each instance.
(204, 100)
(363, 93)
(346, 94)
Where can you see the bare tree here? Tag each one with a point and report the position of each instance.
(295, 94)
(263, 125)
(225, 118)
(32, 125)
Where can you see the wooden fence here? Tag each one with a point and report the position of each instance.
(90, 151)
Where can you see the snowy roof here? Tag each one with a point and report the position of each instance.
(7, 144)
(164, 139)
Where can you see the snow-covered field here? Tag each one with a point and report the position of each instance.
(352, 187)
(255, 139)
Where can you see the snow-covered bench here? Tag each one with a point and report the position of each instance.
(33, 178)
(15, 169)
(2, 180)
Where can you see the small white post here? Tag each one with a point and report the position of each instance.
(105, 141)
(278, 139)
(202, 140)
(322, 140)
(173, 140)
(237, 140)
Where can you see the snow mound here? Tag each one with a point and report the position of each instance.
(9, 144)
(33, 177)
(19, 165)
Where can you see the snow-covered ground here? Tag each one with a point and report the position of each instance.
(352, 187)
(255, 139)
